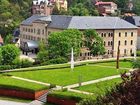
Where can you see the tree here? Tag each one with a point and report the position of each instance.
(42, 56)
(94, 42)
(60, 43)
(78, 10)
(8, 39)
(9, 53)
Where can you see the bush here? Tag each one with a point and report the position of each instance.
(9, 53)
(21, 63)
(42, 56)
(7, 67)
(57, 61)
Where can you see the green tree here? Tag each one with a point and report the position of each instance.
(94, 42)
(8, 39)
(78, 10)
(9, 53)
(60, 43)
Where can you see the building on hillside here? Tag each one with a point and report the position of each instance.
(135, 20)
(45, 7)
(113, 30)
(106, 8)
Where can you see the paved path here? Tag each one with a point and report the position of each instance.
(93, 81)
(5, 102)
(111, 67)
(79, 91)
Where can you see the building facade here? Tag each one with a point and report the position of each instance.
(113, 30)
(135, 20)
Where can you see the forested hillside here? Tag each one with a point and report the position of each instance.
(12, 12)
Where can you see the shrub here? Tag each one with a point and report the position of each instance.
(58, 60)
(42, 56)
(9, 53)
(21, 63)
(7, 67)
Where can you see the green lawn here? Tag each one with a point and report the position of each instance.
(101, 87)
(126, 64)
(18, 84)
(66, 76)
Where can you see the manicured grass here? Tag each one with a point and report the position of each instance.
(8, 82)
(126, 64)
(66, 76)
(101, 87)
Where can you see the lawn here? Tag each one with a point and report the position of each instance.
(101, 87)
(18, 84)
(65, 76)
(126, 64)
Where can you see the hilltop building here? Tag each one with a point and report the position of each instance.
(114, 31)
(45, 7)
(106, 8)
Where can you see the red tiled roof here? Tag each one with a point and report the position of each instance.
(98, 3)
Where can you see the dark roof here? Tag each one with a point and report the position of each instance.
(33, 18)
(59, 21)
(90, 22)
(82, 22)
(16, 32)
(135, 20)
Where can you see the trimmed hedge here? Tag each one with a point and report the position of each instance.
(21, 88)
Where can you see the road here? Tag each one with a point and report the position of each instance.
(5, 102)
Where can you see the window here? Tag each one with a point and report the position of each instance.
(125, 34)
(31, 30)
(124, 51)
(104, 43)
(119, 34)
(34, 30)
(111, 43)
(108, 51)
(43, 32)
(38, 31)
(108, 43)
(131, 34)
(104, 34)
(131, 51)
(125, 43)
(119, 43)
(109, 35)
(131, 42)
